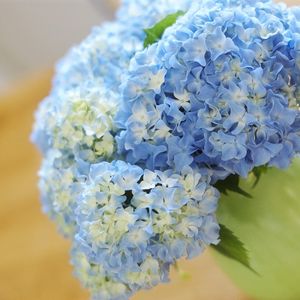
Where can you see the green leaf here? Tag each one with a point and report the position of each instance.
(257, 172)
(155, 33)
(232, 247)
(231, 183)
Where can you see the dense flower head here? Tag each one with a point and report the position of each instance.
(106, 52)
(78, 121)
(74, 124)
(133, 139)
(95, 279)
(59, 183)
(135, 223)
(219, 91)
(90, 75)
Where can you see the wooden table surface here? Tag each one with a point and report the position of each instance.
(34, 258)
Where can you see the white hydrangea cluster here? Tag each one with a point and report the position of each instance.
(134, 223)
(82, 123)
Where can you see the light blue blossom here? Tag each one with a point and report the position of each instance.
(129, 218)
(59, 189)
(94, 278)
(95, 69)
(229, 95)
(218, 44)
(74, 125)
(133, 139)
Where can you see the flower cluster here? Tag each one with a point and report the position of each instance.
(73, 132)
(133, 139)
(219, 91)
(74, 125)
(105, 54)
(88, 78)
(81, 123)
(135, 223)
(57, 194)
(93, 277)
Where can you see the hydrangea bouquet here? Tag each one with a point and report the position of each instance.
(152, 119)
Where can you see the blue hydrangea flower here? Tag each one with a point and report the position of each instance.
(106, 52)
(219, 91)
(134, 223)
(95, 279)
(79, 121)
(60, 182)
(74, 125)
(132, 139)
(97, 66)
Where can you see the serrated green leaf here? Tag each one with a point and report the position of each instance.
(232, 247)
(231, 183)
(155, 33)
(257, 172)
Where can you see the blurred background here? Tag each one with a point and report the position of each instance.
(33, 256)
(35, 33)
